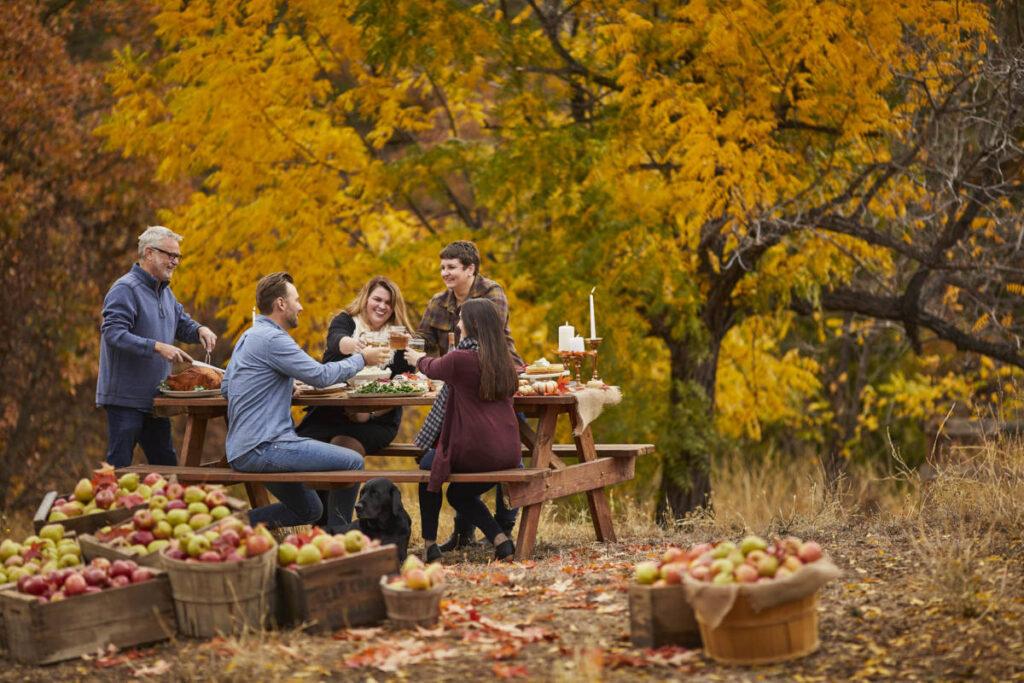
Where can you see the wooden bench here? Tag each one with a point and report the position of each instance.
(591, 468)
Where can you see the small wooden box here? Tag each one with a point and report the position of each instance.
(661, 616)
(86, 524)
(42, 633)
(337, 593)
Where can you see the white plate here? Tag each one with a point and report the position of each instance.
(202, 393)
(306, 390)
(544, 375)
(418, 392)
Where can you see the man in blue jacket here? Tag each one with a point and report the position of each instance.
(141, 321)
(261, 434)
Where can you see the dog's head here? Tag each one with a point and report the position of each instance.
(379, 500)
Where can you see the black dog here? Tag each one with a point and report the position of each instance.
(382, 516)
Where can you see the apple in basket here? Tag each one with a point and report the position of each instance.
(417, 577)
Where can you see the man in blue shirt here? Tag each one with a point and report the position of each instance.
(141, 320)
(261, 435)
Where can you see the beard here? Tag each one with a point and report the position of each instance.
(292, 320)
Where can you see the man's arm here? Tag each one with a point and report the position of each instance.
(119, 315)
(285, 356)
(188, 330)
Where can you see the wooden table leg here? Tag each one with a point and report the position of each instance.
(258, 495)
(542, 454)
(192, 444)
(597, 500)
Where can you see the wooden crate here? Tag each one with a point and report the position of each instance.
(661, 616)
(780, 633)
(42, 633)
(86, 524)
(337, 593)
(92, 547)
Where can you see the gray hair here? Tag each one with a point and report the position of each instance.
(154, 235)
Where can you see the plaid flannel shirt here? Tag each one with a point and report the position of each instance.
(442, 314)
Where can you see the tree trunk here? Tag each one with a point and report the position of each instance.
(687, 443)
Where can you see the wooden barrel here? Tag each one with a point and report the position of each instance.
(408, 608)
(786, 631)
(227, 598)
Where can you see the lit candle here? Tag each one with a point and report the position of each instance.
(577, 345)
(565, 334)
(593, 327)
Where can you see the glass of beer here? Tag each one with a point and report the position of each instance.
(417, 344)
(398, 338)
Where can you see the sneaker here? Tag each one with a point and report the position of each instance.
(458, 541)
(505, 551)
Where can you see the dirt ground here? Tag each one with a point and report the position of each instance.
(564, 617)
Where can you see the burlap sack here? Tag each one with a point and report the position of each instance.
(712, 602)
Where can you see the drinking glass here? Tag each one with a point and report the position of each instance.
(417, 344)
(398, 338)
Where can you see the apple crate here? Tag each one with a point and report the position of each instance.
(335, 593)
(86, 524)
(660, 615)
(43, 633)
(92, 548)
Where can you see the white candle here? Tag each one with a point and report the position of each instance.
(565, 334)
(593, 327)
(577, 345)
(253, 315)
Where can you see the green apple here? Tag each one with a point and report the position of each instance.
(56, 516)
(287, 553)
(194, 494)
(54, 532)
(645, 573)
(197, 545)
(69, 560)
(145, 491)
(354, 541)
(9, 548)
(83, 491)
(158, 514)
(200, 520)
(198, 508)
(129, 482)
(722, 550)
(183, 531)
(412, 562)
(157, 545)
(722, 578)
(752, 543)
(220, 512)
(176, 517)
(308, 554)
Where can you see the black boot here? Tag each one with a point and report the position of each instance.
(459, 540)
(504, 551)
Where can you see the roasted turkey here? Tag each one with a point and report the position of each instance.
(195, 376)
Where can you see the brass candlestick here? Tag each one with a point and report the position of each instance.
(566, 358)
(592, 344)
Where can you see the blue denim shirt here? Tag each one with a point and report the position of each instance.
(258, 385)
(138, 311)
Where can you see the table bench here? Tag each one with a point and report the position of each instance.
(549, 476)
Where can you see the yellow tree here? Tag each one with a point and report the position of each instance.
(715, 166)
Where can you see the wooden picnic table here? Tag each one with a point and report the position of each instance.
(598, 466)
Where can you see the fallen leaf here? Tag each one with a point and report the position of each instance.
(510, 670)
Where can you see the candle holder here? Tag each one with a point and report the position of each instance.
(592, 344)
(577, 365)
(567, 359)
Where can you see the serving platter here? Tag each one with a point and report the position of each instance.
(543, 375)
(389, 394)
(201, 393)
(306, 390)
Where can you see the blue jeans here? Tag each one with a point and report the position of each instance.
(129, 426)
(299, 504)
(503, 515)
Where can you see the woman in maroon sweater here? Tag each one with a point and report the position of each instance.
(480, 431)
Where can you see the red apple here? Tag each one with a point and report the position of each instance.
(92, 589)
(101, 562)
(152, 478)
(94, 576)
(120, 581)
(809, 552)
(175, 504)
(104, 498)
(75, 585)
(216, 497)
(142, 537)
(673, 573)
(34, 585)
(121, 568)
(745, 573)
(672, 555)
(791, 563)
(174, 492)
(231, 538)
(257, 544)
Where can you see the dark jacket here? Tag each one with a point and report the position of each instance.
(138, 311)
(477, 435)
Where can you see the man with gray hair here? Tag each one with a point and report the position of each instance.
(141, 320)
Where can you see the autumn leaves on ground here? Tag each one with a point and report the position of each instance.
(932, 588)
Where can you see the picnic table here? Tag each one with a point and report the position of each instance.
(549, 476)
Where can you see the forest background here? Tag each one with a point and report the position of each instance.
(802, 217)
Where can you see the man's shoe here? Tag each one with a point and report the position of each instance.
(458, 541)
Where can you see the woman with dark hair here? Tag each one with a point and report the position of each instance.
(479, 430)
(378, 305)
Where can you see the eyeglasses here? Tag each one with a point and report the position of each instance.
(169, 254)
